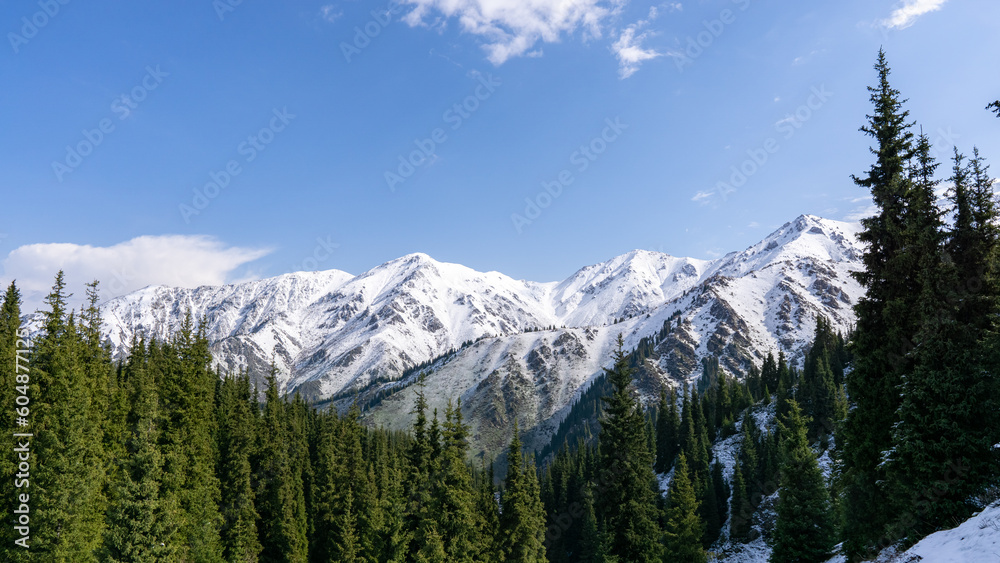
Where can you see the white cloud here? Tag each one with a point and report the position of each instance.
(753, 225)
(330, 13)
(512, 28)
(908, 12)
(702, 197)
(172, 260)
(629, 48)
(860, 213)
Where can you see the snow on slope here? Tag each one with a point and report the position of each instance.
(977, 540)
(624, 286)
(246, 322)
(330, 332)
(763, 299)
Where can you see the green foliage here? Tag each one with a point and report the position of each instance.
(68, 477)
(522, 519)
(804, 530)
(885, 319)
(667, 432)
(684, 528)
(626, 501)
(237, 422)
(742, 519)
(821, 398)
(141, 520)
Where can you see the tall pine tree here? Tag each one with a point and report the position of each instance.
(885, 320)
(522, 518)
(626, 499)
(804, 530)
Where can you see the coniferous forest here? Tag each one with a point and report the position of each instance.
(876, 438)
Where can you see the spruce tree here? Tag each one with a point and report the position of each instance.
(742, 519)
(279, 494)
(421, 523)
(667, 428)
(237, 432)
(804, 530)
(141, 520)
(454, 501)
(189, 449)
(626, 501)
(522, 517)
(947, 419)
(487, 519)
(818, 395)
(885, 321)
(68, 480)
(590, 539)
(684, 528)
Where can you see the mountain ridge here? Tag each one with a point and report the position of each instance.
(521, 348)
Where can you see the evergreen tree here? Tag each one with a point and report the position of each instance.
(488, 519)
(522, 518)
(590, 539)
(421, 524)
(237, 431)
(684, 528)
(189, 449)
(141, 526)
(769, 373)
(742, 519)
(947, 419)
(454, 496)
(67, 482)
(667, 429)
(885, 321)
(626, 502)
(818, 395)
(280, 499)
(804, 530)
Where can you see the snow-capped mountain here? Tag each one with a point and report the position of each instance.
(518, 346)
(739, 307)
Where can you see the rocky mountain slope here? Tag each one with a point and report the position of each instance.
(505, 346)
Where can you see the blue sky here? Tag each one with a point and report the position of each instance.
(198, 142)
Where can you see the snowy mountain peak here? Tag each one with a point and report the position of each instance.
(330, 331)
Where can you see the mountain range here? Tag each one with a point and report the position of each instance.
(511, 348)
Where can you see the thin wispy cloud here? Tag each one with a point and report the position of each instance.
(330, 13)
(628, 48)
(908, 12)
(702, 197)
